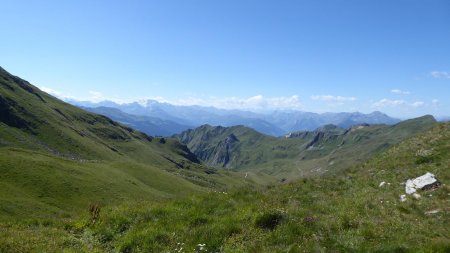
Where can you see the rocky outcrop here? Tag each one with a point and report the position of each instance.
(424, 182)
(9, 114)
(223, 151)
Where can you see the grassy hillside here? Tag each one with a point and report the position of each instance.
(300, 154)
(55, 158)
(349, 212)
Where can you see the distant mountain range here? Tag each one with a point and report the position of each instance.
(150, 125)
(155, 118)
(443, 118)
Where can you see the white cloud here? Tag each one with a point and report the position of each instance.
(435, 102)
(96, 96)
(395, 103)
(397, 91)
(330, 98)
(93, 96)
(55, 93)
(50, 91)
(388, 103)
(418, 104)
(147, 100)
(440, 74)
(257, 102)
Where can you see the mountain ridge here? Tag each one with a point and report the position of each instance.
(328, 148)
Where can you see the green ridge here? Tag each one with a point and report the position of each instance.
(326, 150)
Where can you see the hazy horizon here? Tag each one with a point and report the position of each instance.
(143, 103)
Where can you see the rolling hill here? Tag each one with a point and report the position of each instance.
(299, 154)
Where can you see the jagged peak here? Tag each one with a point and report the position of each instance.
(231, 138)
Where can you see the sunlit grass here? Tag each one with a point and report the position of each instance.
(344, 213)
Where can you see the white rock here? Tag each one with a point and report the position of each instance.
(409, 187)
(412, 186)
(403, 198)
(416, 195)
(433, 211)
(382, 184)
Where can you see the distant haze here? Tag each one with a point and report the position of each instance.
(156, 118)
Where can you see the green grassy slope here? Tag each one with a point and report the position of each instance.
(55, 158)
(348, 212)
(328, 149)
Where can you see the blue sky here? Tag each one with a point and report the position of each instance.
(392, 56)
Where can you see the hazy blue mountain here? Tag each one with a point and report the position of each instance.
(276, 123)
(149, 125)
(443, 118)
(189, 115)
(301, 121)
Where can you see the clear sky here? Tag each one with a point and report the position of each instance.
(392, 56)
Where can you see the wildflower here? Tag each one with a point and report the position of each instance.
(201, 246)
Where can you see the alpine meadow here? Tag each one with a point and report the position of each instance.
(226, 126)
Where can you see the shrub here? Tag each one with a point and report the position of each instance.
(268, 220)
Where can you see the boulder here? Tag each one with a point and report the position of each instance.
(427, 181)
